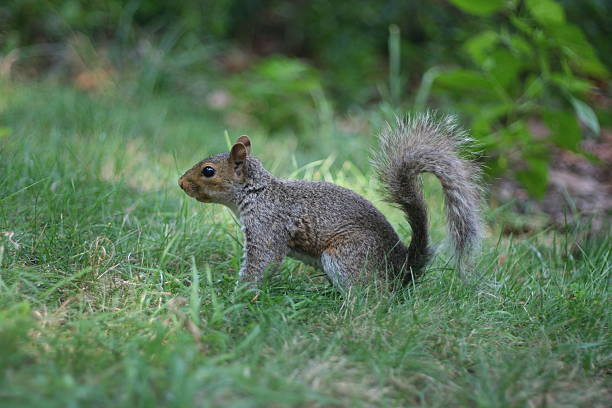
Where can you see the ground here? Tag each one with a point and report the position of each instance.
(116, 289)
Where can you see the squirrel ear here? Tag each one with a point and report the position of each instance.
(244, 139)
(237, 158)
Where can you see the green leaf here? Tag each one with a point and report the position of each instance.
(484, 119)
(577, 48)
(546, 11)
(586, 115)
(534, 87)
(564, 128)
(520, 46)
(535, 176)
(479, 7)
(479, 45)
(522, 25)
(503, 66)
(570, 83)
(534, 156)
(465, 81)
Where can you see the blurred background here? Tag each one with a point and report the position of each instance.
(314, 79)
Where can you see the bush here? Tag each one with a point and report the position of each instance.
(534, 67)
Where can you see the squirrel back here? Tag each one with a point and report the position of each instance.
(335, 229)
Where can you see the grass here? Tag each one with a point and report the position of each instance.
(118, 290)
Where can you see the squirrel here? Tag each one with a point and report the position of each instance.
(335, 229)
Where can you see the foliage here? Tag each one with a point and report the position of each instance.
(508, 66)
(348, 43)
(116, 289)
(282, 94)
(535, 66)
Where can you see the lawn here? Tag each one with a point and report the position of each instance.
(116, 289)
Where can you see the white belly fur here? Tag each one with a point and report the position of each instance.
(310, 260)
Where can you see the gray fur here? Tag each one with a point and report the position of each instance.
(336, 228)
(428, 144)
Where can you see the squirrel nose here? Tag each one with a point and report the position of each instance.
(181, 183)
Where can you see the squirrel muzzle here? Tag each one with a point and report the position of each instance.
(192, 190)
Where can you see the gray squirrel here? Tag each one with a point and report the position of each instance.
(333, 228)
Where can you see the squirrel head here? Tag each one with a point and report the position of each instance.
(219, 178)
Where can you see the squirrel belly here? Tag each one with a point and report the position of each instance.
(334, 228)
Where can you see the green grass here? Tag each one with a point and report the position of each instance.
(118, 290)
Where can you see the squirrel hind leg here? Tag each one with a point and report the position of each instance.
(337, 269)
(348, 265)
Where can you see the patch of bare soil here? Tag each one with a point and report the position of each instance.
(578, 189)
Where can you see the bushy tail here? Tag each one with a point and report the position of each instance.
(428, 143)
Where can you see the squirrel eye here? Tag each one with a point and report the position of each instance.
(208, 171)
